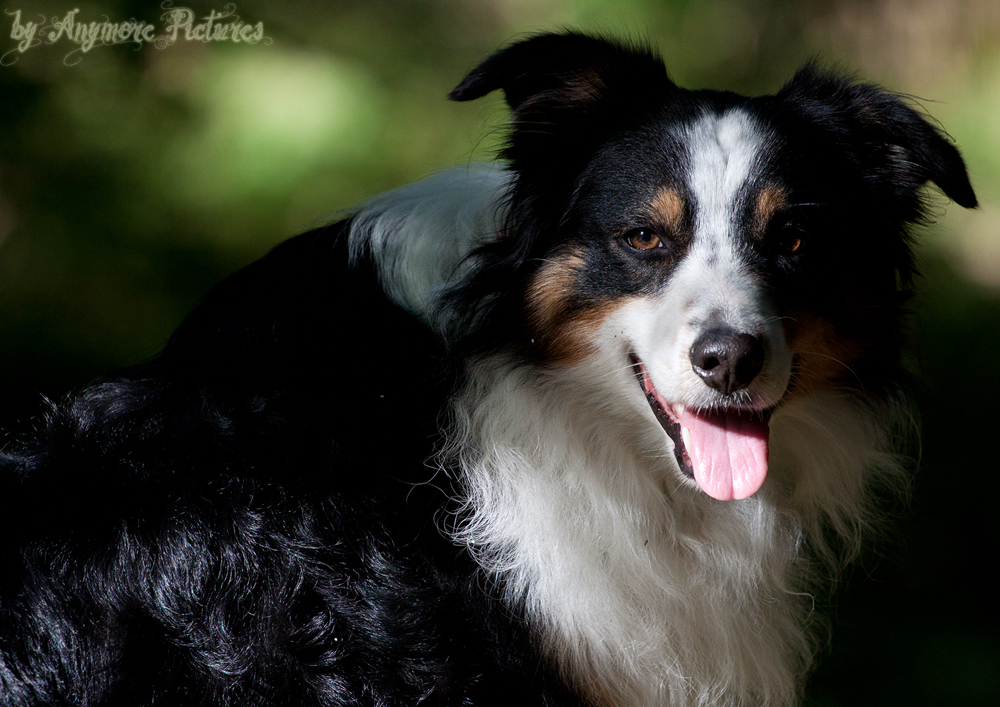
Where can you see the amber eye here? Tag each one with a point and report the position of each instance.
(787, 237)
(643, 239)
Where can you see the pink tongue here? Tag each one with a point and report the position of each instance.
(728, 452)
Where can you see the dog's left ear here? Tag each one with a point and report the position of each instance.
(899, 150)
(567, 92)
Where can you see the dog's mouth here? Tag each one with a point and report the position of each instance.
(724, 450)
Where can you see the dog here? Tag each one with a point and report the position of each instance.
(590, 426)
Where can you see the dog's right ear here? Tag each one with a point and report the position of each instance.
(567, 91)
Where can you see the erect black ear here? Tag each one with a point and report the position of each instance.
(899, 149)
(567, 89)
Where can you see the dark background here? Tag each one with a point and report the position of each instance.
(133, 179)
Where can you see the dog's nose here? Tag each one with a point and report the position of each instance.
(727, 360)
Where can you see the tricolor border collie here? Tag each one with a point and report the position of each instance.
(587, 427)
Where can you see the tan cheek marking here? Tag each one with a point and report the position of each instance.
(572, 339)
(551, 288)
(769, 201)
(669, 206)
(565, 333)
(822, 359)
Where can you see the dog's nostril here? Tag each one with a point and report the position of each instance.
(726, 360)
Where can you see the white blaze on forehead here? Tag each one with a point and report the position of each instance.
(716, 286)
(723, 151)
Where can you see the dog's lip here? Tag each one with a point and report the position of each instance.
(669, 414)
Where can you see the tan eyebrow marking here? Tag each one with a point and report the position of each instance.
(669, 206)
(769, 201)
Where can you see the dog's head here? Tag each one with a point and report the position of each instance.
(730, 253)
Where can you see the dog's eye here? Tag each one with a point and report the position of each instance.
(643, 239)
(787, 238)
(791, 239)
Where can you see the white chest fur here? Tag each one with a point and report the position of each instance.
(648, 591)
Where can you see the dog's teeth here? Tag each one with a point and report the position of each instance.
(678, 410)
(686, 437)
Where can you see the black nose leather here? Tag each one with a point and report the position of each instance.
(727, 360)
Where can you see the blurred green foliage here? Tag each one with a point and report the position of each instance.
(132, 179)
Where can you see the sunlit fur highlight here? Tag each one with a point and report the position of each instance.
(420, 234)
